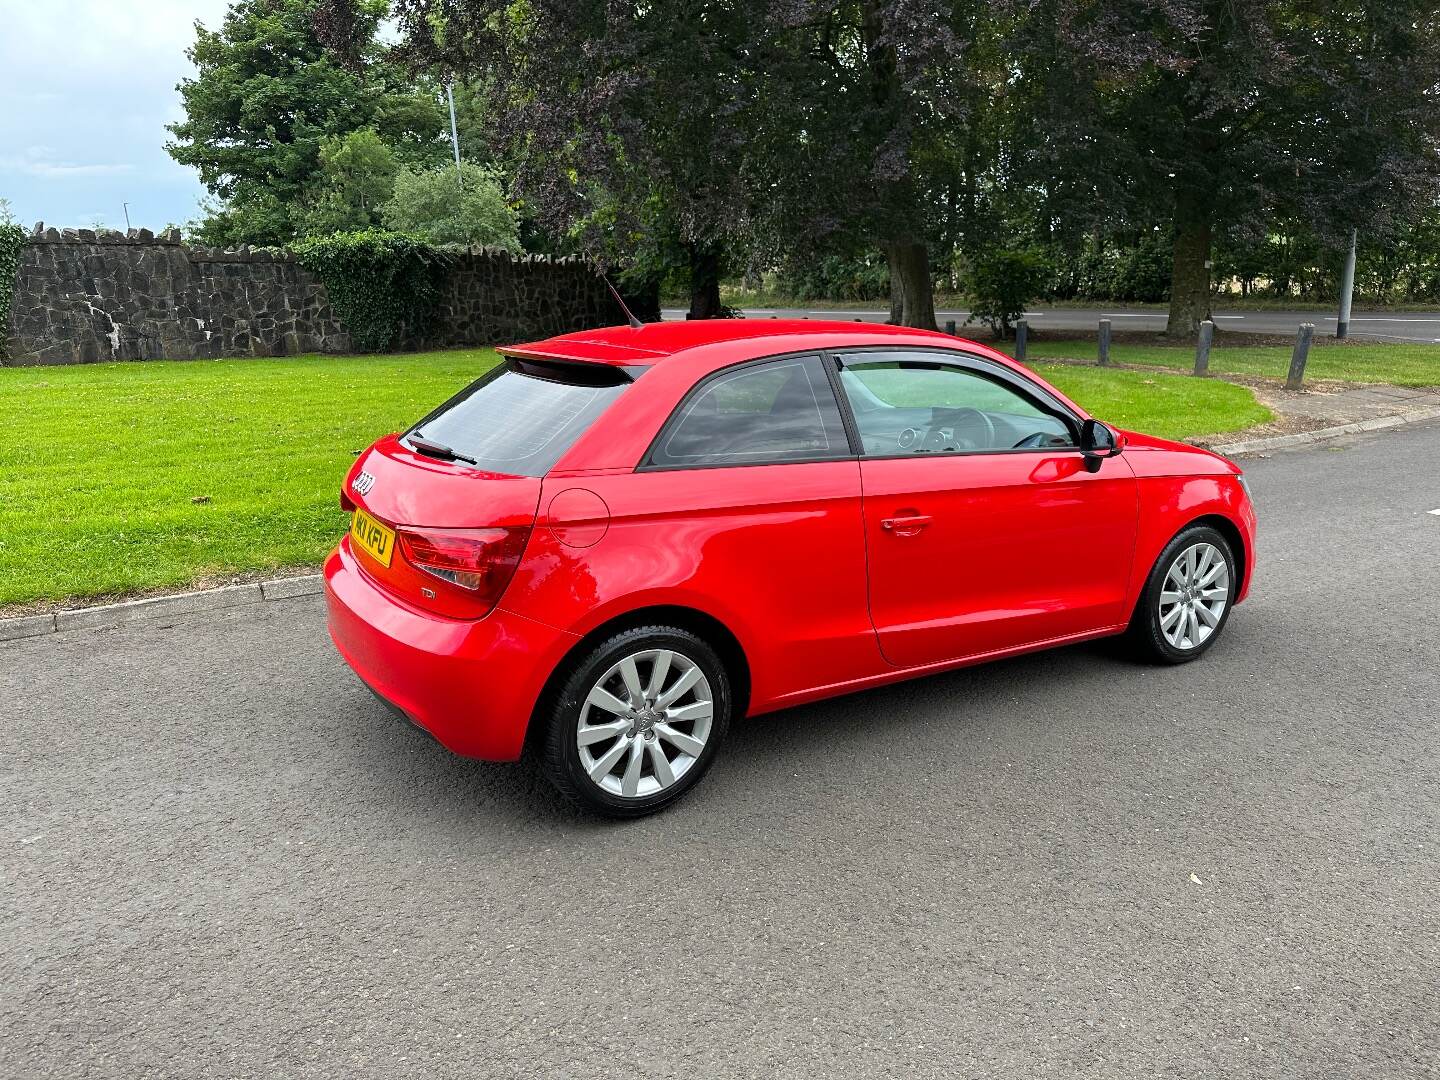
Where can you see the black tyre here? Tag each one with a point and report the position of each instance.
(637, 721)
(1186, 600)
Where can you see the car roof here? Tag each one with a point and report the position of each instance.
(626, 346)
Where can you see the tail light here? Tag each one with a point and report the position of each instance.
(480, 562)
(346, 503)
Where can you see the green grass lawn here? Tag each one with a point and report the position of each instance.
(119, 478)
(101, 464)
(1171, 406)
(1399, 365)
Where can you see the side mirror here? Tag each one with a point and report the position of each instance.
(1097, 442)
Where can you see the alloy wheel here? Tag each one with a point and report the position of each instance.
(1194, 595)
(645, 723)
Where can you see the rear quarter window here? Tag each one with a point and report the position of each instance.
(761, 413)
(521, 417)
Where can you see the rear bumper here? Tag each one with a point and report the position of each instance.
(471, 684)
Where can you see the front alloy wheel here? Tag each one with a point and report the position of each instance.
(1186, 601)
(1196, 593)
(637, 721)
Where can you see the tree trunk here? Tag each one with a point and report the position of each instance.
(897, 293)
(910, 264)
(1189, 276)
(704, 284)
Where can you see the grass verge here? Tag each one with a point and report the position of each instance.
(1398, 365)
(1171, 406)
(119, 478)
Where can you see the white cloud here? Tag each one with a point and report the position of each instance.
(60, 168)
(40, 161)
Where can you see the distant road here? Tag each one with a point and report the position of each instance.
(1421, 326)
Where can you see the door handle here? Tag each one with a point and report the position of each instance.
(906, 525)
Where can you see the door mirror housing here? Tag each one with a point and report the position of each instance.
(1097, 442)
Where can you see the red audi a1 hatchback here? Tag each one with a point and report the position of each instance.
(618, 540)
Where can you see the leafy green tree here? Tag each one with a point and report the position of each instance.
(1001, 284)
(713, 128)
(442, 207)
(619, 121)
(357, 175)
(868, 128)
(1223, 115)
(265, 99)
(359, 167)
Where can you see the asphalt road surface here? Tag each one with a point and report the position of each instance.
(224, 859)
(1411, 326)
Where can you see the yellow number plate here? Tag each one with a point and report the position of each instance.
(372, 538)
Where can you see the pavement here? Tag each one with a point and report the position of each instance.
(223, 858)
(1411, 326)
(1343, 406)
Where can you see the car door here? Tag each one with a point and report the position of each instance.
(984, 528)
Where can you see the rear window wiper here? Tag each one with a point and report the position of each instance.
(431, 448)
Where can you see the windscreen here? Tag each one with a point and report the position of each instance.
(520, 418)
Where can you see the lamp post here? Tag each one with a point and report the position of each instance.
(454, 131)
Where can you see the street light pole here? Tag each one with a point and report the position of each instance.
(454, 131)
(1347, 289)
(126, 207)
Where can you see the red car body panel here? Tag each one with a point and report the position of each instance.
(472, 683)
(781, 566)
(1180, 484)
(411, 489)
(1021, 550)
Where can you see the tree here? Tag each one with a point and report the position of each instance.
(1002, 283)
(618, 120)
(863, 113)
(443, 209)
(709, 129)
(357, 175)
(265, 99)
(1223, 115)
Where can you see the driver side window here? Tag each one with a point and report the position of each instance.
(912, 404)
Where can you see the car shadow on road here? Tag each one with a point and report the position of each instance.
(965, 697)
(408, 766)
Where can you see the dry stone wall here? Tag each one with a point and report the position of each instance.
(83, 296)
(489, 297)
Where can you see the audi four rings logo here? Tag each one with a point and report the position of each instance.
(362, 483)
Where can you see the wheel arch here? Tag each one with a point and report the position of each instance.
(1225, 526)
(703, 625)
(1233, 536)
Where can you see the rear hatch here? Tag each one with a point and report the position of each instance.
(443, 511)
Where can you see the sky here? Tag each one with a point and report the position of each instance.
(86, 89)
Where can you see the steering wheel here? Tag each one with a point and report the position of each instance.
(1042, 440)
(936, 438)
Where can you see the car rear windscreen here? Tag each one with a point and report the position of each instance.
(521, 417)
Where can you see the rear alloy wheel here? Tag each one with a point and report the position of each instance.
(1187, 597)
(638, 721)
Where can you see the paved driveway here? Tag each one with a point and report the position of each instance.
(224, 859)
